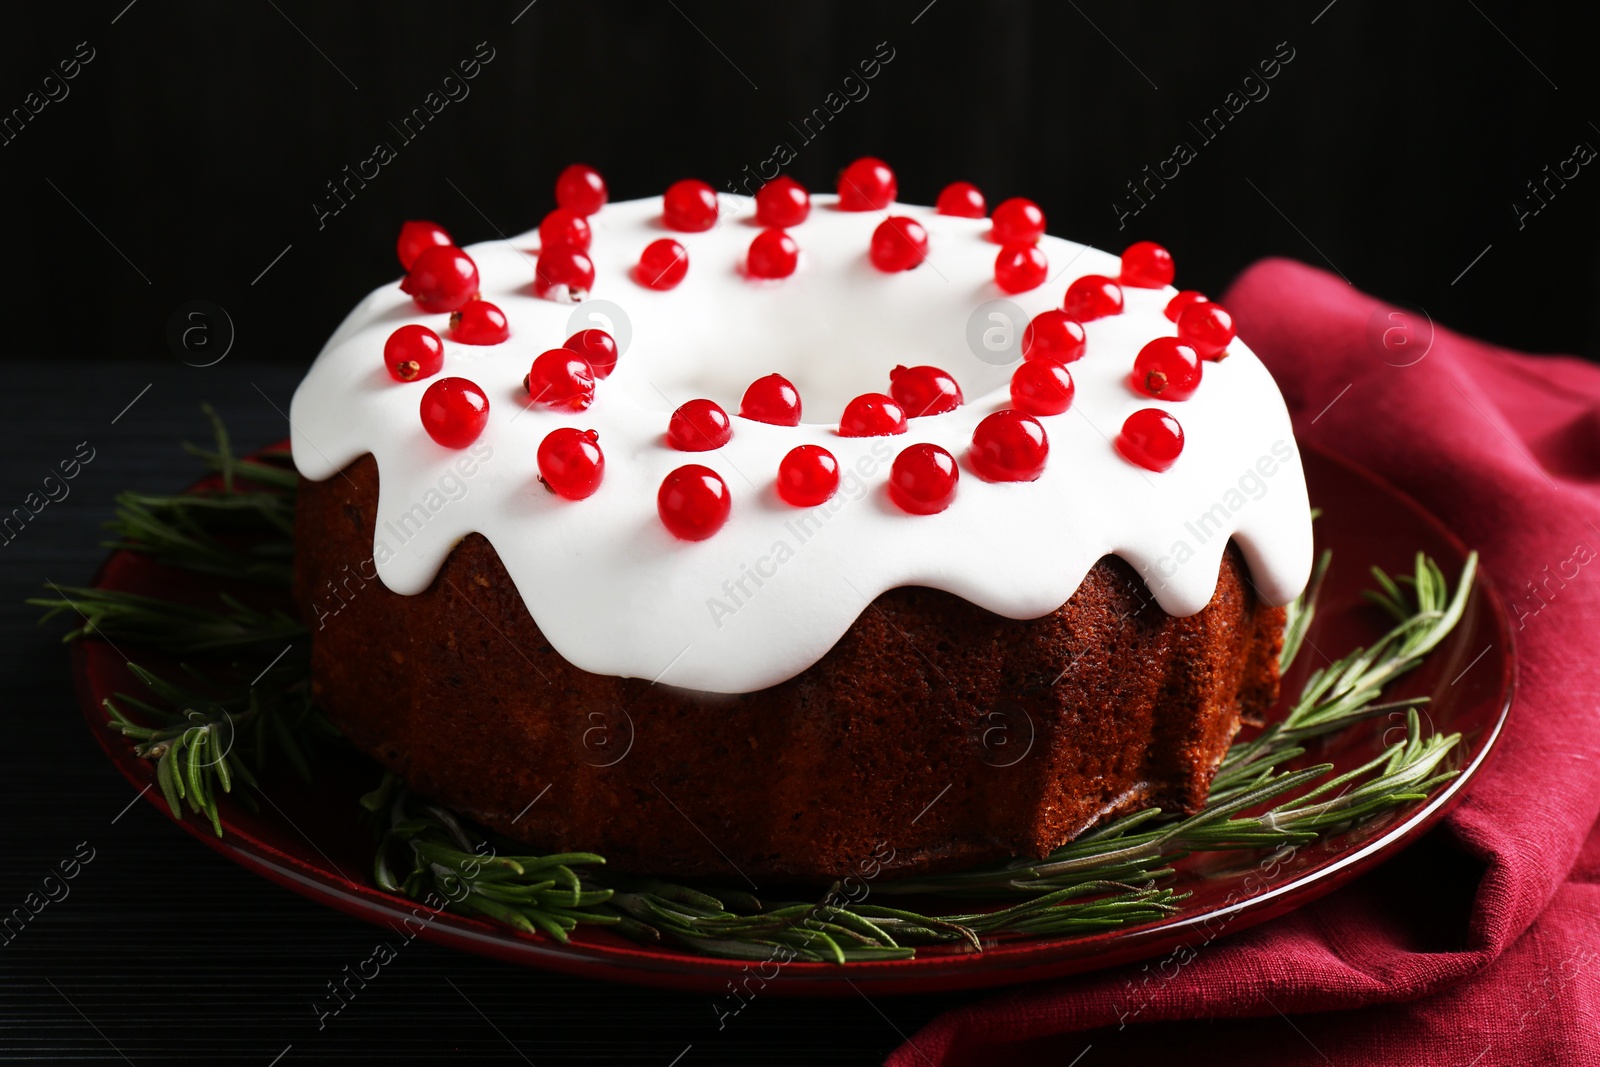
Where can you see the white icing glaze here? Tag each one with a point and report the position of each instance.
(769, 594)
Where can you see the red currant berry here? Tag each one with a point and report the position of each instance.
(1019, 268)
(923, 479)
(1053, 335)
(1009, 446)
(561, 379)
(1151, 438)
(563, 227)
(479, 322)
(773, 254)
(872, 415)
(416, 237)
(781, 203)
(924, 391)
(1208, 327)
(580, 189)
(597, 347)
(1183, 302)
(1017, 222)
(563, 273)
(899, 244)
(441, 278)
(699, 426)
(1146, 265)
(771, 399)
(571, 463)
(963, 200)
(693, 502)
(413, 352)
(454, 412)
(1167, 368)
(1093, 296)
(690, 206)
(867, 185)
(1042, 387)
(807, 476)
(662, 264)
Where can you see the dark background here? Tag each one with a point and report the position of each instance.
(187, 157)
(1391, 147)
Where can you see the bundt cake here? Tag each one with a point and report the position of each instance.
(955, 567)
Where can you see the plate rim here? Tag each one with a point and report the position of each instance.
(667, 966)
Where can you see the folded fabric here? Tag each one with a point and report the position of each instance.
(1479, 945)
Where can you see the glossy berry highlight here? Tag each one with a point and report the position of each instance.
(1167, 369)
(782, 203)
(1009, 446)
(772, 399)
(1146, 265)
(923, 479)
(1016, 221)
(899, 243)
(441, 278)
(693, 502)
(867, 185)
(563, 273)
(924, 391)
(479, 322)
(454, 412)
(416, 237)
(597, 347)
(1054, 335)
(563, 227)
(571, 463)
(1185, 300)
(1019, 268)
(663, 264)
(1042, 387)
(689, 206)
(561, 379)
(962, 200)
(699, 426)
(1151, 438)
(1208, 327)
(872, 415)
(1093, 296)
(580, 189)
(807, 476)
(773, 254)
(413, 352)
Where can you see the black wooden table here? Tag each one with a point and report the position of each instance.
(162, 950)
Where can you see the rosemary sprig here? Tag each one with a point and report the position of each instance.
(204, 740)
(167, 626)
(425, 851)
(241, 532)
(1334, 697)
(211, 735)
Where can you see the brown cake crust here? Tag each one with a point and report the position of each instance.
(934, 731)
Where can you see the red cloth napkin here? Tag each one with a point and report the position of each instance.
(1480, 945)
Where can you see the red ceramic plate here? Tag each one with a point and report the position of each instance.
(311, 839)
